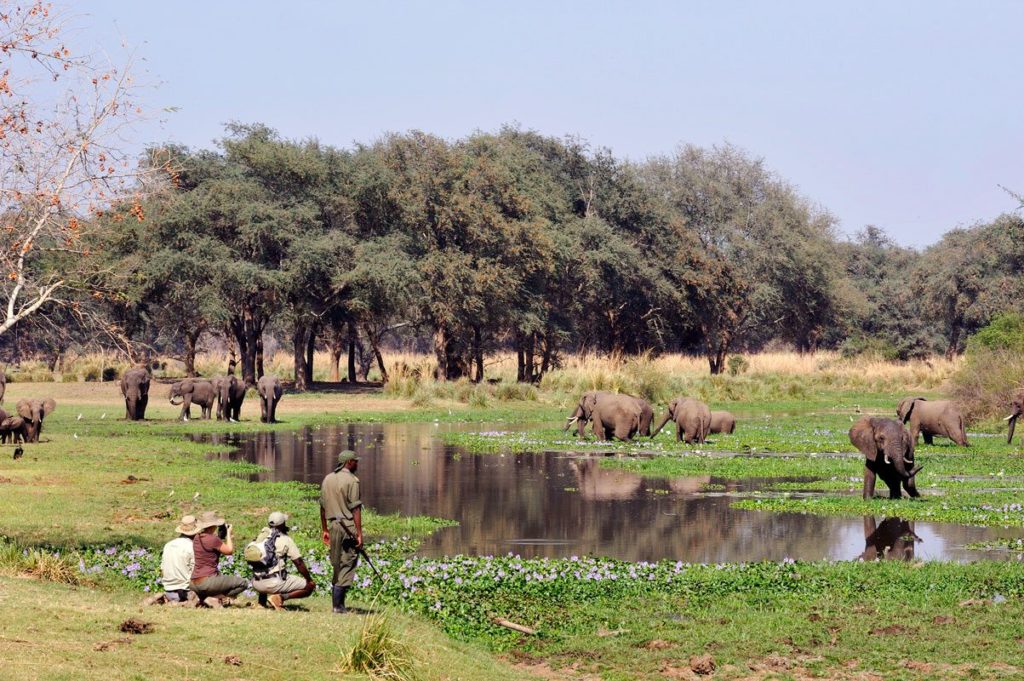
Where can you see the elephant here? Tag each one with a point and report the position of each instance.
(270, 391)
(893, 539)
(135, 388)
(888, 450)
(646, 416)
(722, 422)
(1016, 409)
(197, 390)
(34, 411)
(230, 392)
(931, 418)
(584, 410)
(611, 415)
(12, 428)
(692, 418)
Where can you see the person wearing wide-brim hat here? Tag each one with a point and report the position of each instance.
(341, 505)
(177, 562)
(213, 588)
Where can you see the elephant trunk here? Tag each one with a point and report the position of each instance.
(1012, 418)
(661, 424)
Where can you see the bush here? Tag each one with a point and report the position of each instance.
(109, 374)
(1005, 332)
(378, 652)
(737, 365)
(69, 378)
(92, 373)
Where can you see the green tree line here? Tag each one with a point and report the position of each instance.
(510, 240)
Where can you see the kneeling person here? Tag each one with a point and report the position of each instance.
(268, 557)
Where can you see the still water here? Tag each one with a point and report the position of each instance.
(559, 504)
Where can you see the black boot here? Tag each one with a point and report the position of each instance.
(338, 598)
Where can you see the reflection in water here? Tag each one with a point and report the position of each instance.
(893, 539)
(557, 504)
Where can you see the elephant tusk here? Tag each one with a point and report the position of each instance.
(885, 457)
(1011, 416)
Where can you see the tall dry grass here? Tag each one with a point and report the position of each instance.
(755, 377)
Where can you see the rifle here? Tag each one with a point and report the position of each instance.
(360, 551)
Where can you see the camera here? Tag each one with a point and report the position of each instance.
(222, 531)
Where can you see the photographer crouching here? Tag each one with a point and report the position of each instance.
(213, 541)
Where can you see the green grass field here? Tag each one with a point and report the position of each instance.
(98, 481)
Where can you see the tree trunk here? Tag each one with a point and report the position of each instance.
(478, 355)
(259, 357)
(190, 354)
(441, 352)
(353, 337)
(310, 350)
(248, 333)
(375, 345)
(529, 368)
(520, 360)
(299, 356)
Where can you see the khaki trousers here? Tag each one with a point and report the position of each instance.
(343, 555)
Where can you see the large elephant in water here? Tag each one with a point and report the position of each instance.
(692, 418)
(135, 388)
(888, 450)
(34, 411)
(193, 390)
(588, 401)
(270, 392)
(931, 418)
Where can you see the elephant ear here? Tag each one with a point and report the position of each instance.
(672, 406)
(24, 409)
(908, 444)
(186, 386)
(49, 404)
(862, 436)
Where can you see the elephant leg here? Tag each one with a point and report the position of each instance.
(869, 483)
(273, 410)
(598, 427)
(186, 408)
(623, 432)
(264, 417)
(140, 409)
(928, 438)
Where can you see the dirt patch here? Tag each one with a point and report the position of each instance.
(890, 630)
(5, 481)
(702, 664)
(656, 644)
(546, 671)
(134, 626)
(943, 619)
(917, 666)
(107, 645)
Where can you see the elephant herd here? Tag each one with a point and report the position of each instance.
(887, 444)
(624, 417)
(226, 393)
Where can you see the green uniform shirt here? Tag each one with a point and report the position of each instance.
(339, 495)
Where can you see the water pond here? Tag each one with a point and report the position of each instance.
(559, 505)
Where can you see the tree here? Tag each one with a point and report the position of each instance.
(63, 118)
(760, 264)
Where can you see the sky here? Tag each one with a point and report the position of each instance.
(904, 115)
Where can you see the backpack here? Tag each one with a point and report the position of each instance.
(262, 555)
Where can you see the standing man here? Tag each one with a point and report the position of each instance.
(340, 504)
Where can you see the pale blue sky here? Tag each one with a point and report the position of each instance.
(906, 115)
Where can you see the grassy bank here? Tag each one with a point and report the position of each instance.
(127, 483)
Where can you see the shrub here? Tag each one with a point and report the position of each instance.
(69, 378)
(737, 364)
(378, 652)
(1005, 332)
(109, 374)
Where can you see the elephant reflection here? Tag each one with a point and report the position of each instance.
(690, 485)
(893, 539)
(604, 484)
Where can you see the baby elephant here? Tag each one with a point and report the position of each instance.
(722, 422)
(12, 428)
(193, 390)
(888, 450)
(34, 411)
(692, 418)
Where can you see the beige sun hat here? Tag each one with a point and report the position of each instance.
(277, 519)
(188, 526)
(209, 519)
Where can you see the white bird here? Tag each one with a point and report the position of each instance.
(75, 435)
(79, 417)
(195, 496)
(104, 415)
(171, 494)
